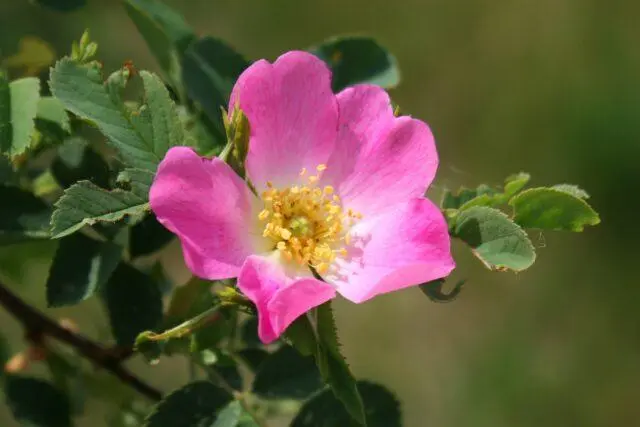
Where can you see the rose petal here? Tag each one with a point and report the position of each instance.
(279, 298)
(406, 246)
(209, 207)
(292, 114)
(379, 160)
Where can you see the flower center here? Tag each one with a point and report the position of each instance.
(306, 223)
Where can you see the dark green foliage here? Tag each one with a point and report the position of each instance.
(434, 290)
(80, 267)
(356, 60)
(133, 302)
(77, 161)
(23, 216)
(287, 374)
(164, 30)
(253, 358)
(36, 403)
(148, 236)
(324, 410)
(195, 405)
(210, 68)
(249, 333)
(62, 5)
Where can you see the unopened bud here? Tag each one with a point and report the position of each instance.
(236, 126)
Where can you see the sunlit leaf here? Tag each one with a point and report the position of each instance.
(86, 204)
(18, 108)
(52, 110)
(496, 240)
(553, 209)
(141, 136)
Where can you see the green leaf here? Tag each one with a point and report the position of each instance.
(553, 209)
(86, 204)
(484, 195)
(52, 110)
(455, 201)
(141, 136)
(230, 415)
(134, 303)
(333, 365)
(433, 290)
(357, 59)
(324, 410)
(80, 267)
(148, 236)
(286, 374)
(23, 216)
(77, 161)
(302, 336)
(18, 108)
(514, 183)
(36, 403)
(195, 405)
(496, 240)
(164, 30)
(574, 190)
(62, 5)
(210, 68)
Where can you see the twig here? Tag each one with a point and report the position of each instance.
(37, 324)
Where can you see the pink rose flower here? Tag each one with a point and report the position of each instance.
(340, 183)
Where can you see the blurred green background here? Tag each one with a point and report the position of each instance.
(551, 87)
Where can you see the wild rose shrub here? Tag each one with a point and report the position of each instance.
(288, 183)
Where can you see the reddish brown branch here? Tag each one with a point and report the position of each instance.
(37, 324)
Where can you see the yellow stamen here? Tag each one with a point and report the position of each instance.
(306, 223)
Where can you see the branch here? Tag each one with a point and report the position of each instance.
(37, 324)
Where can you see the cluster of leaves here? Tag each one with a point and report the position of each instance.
(494, 222)
(59, 180)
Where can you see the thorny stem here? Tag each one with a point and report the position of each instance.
(187, 327)
(36, 324)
